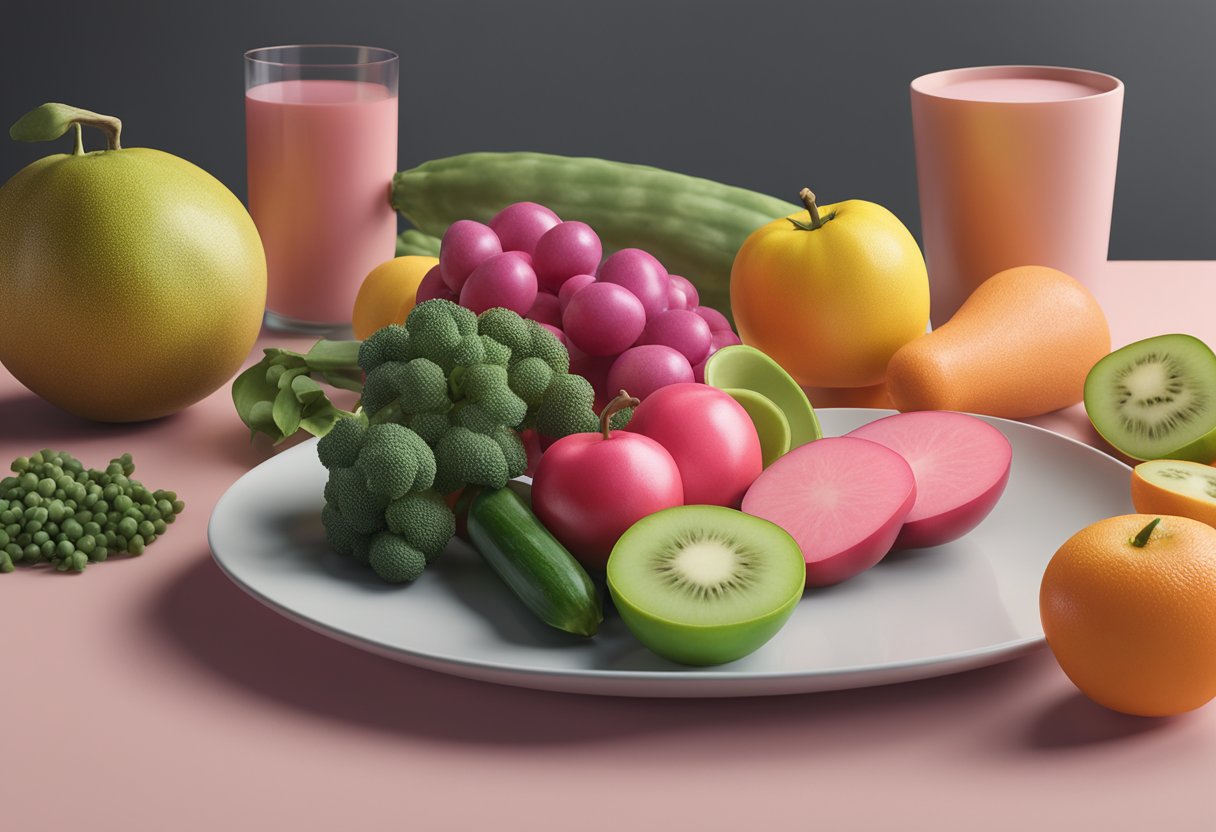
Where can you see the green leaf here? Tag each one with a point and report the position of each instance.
(286, 412)
(333, 355)
(321, 422)
(51, 120)
(306, 390)
(261, 420)
(250, 388)
(344, 379)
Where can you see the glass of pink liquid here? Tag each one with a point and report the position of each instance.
(1015, 167)
(321, 139)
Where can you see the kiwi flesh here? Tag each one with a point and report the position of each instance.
(705, 585)
(1156, 398)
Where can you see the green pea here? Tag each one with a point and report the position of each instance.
(136, 545)
(33, 527)
(86, 544)
(134, 513)
(128, 526)
(27, 481)
(122, 502)
(72, 529)
(146, 529)
(158, 526)
(152, 513)
(64, 548)
(21, 464)
(92, 528)
(33, 498)
(14, 551)
(46, 487)
(55, 510)
(32, 552)
(110, 492)
(164, 507)
(40, 514)
(47, 549)
(24, 539)
(51, 528)
(40, 537)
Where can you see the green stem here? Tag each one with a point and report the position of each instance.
(808, 201)
(79, 151)
(1140, 540)
(622, 401)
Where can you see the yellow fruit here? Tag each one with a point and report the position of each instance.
(1129, 610)
(387, 294)
(831, 293)
(132, 283)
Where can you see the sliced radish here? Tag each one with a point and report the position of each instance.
(843, 499)
(961, 465)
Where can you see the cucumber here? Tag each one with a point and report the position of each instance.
(694, 226)
(531, 561)
(413, 241)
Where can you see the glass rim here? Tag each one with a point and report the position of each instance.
(387, 56)
(1102, 84)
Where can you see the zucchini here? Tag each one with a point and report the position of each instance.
(694, 226)
(413, 241)
(531, 561)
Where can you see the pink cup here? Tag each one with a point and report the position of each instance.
(1016, 167)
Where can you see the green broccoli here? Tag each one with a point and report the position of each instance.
(423, 520)
(391, 343)
(337, 531)
(529, 378)
(470, 350)
(417, 386)
(496, 353)
(430, 426)
(362, 510)
(463, 457)
(340, 447)
(56, 510)
(567, 407)
(394, 560)
(507, 328)
(436, 328)
(485, 385)
(512, 450)
(395, 461)
(546, 347)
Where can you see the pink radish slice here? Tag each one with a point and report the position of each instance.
(842, 499)
(961, 465)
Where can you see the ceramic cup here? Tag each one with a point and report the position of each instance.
(1015, 166)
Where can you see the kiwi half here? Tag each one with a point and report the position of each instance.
(1156, 398)
(705, 584)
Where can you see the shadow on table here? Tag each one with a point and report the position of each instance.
(1074, 721)
(28, 419)
(228, 634)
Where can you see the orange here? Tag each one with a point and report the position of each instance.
(387, 294)
(1131, 617)
(1171, 486)
(831, 293)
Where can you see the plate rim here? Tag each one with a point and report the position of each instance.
(952, 662)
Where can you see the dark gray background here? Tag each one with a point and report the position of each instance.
(771, 95)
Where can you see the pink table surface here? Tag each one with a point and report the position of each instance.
(151, 693)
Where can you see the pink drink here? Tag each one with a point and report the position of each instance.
(321, 156)
(1017, 90)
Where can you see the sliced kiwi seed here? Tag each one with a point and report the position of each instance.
(706, 565)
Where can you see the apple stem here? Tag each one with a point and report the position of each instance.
(622, 401)
(79, 151)
(808, 201)
(1140, 540)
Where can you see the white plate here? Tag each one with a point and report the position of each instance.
(917, 614)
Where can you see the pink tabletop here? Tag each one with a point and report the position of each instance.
(151, 693)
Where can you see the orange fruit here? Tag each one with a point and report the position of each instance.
(387, 294)
(1171, 486)
(1129, 610)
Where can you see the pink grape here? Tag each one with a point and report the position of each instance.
(571, 286)
(522, 255)
(604, 319)
(642, 370)
(681, 330)
(640, 273)
(595, 369)
(465, 246)
(690, 291)
(503, 280)
(545, 309)
(557, 333)
(566, 249)
(519, 226)
(676, 299)
(432, 286)
(725, 338)
(716, 320)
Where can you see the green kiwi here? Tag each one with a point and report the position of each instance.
(1156, 399)
(705, 584)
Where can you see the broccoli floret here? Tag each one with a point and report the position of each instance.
(507, 328)
(340, 447)
(546, 347)
(360, 552)
(512, 450)
(436, 328)
(496, 353)
(337, 531)
(567, 407)
(485, 385)
(394, 461)
(391, 343)
(465, 457)
(530, 378)
(423, 520)
(430, 426)
(380, 388)
(470, 350)
(361, 509)
(394, 560)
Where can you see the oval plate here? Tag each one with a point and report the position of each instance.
(917, 614)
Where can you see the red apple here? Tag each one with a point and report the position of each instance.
(589, 488)
(709, 435)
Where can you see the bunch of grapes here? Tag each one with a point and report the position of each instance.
(626, 322)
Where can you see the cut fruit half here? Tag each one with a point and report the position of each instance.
(961, 465)
(1178, 487)
(741, 366)
(842, 498)
(1156, 399)
(771, 425)
(705, 585)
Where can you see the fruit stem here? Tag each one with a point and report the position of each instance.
(808, 200)
(622, 401)
(1140, 540)
(79, 151)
